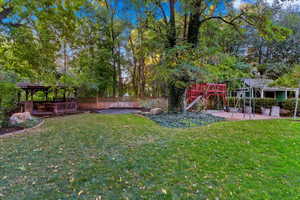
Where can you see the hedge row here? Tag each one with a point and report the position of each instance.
(288, 104)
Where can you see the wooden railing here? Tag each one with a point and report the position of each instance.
(63, 107)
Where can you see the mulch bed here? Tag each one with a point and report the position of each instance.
(6, 130)
(184, 120)
(25, 125)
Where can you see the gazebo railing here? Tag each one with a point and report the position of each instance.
(64, 107)
(40, 107)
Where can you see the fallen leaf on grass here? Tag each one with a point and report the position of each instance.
(164, 191)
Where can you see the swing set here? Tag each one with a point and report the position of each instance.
(202, 92)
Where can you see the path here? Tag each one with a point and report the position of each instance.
(240, 116)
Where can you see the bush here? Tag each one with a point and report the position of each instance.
(8, 100)
(258, 102)
(154, 103)
(288, 104)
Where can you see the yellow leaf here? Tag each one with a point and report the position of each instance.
(164, 191)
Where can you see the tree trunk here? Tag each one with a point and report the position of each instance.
(120, 81)
(172, 24)
(114, 74)
(176, 94)
(176, 98)
(65, 57)
(185, 26)
(194, 24)
(134, 73)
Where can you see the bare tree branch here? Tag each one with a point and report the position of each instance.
(158, 3)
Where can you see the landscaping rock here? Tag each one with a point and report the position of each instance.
(18, 118)
(156, 111)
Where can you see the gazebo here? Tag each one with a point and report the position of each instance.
(47, 106)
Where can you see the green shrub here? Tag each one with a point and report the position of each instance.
(154, 103)
(288, 104)
(265, 103)
(8, 97)
(256, 102)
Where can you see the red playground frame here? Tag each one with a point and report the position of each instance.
(206, 90)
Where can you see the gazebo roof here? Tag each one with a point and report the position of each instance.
(24, 85)
(35, 86)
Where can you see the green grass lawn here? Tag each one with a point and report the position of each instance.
(93, 156)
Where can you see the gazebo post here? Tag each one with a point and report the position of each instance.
(75, 92)
(46, 94)
(55, 93)
(26, 98)
(31, 95)
(19, 96)
(64, 94)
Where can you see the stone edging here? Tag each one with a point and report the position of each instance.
(22, 131)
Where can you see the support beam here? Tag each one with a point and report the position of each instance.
(46, 94)
(262, 93)
(193, 103)
(19, 97)
(31, 95)
(26, 98)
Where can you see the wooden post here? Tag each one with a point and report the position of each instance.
(75, 93)
(19, 97)
(64, 94)
(31, 95)
(46, 94)
(26, 98)
(262, 93)
(55, 94)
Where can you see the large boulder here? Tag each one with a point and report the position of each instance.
(18, 118)
(156, 111)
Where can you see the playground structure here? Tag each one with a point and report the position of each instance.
(203, 91)
(245, 99)
(251, 89)
(244, 104)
